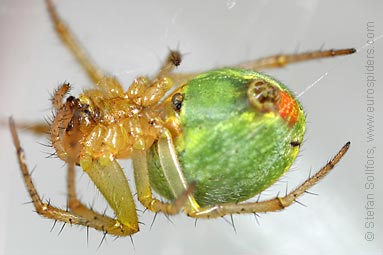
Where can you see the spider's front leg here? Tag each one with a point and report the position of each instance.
(281, 60)
(79, 214)
(274, 61)
(73, 45)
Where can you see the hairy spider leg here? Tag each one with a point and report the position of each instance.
(77, 214)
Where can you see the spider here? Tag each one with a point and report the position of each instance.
(206, 142)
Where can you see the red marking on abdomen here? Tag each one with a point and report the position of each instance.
(288, 108)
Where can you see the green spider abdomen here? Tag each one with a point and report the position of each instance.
(241, 131)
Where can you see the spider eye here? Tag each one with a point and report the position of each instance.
(177, 100)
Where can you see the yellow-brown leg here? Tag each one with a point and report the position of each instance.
(70, 41)
(173, 60)
(275, 61)
(103, 80)
(282, 60)
(79, 214)
(36, 128)
(41, 128)
(181, 78)
(275, 204)
(107, 83)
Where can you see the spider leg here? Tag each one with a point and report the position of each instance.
(275, 204)
(70, 41)
(78, 215)
(144, 190)
(109, 84)
(36, 128)
(111, 181)
(277, 61)
(43, 128)
(173, 171)
(173, 60)
(104, 223)
(181, 78)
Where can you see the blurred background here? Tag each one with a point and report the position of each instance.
(130, 38)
